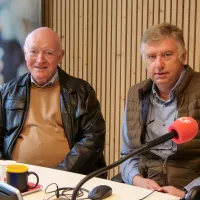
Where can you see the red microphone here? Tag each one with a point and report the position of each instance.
(186, 129)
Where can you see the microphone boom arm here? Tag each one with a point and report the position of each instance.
(142, 149)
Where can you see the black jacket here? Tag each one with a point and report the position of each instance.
(81, 116)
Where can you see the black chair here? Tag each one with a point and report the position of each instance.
(117, 178)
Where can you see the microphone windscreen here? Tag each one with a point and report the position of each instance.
(186, 128)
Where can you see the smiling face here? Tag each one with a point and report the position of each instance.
(43, 53)
(163, 62)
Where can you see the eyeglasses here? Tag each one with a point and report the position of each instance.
(48, 54)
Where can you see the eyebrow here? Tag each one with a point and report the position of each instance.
(160, 53)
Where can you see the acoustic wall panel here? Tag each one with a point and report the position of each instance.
(101, 39)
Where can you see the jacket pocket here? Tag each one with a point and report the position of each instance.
(13, 113)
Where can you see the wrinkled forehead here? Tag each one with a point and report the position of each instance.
(166, 44)
(42, 41)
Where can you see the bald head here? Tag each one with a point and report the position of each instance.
(46, 34)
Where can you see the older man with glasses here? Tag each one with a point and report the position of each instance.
(47, 117)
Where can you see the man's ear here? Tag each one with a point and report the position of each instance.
(183, 57)
(61, 56)
(25, 54)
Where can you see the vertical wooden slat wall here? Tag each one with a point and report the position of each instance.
(101, 39)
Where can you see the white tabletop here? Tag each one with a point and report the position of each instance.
(67, 179)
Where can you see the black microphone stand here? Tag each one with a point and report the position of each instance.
(142, 149)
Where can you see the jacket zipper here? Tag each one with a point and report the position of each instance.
(165, 171)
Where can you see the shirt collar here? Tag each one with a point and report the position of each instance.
(49, 84)
(155, 93)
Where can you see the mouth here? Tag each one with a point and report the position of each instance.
(40, 67)
(161, 74)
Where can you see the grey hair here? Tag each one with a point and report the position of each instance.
(163, 31)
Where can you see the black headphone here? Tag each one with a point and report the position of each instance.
(193, 194)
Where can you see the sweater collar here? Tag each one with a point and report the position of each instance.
(49, 83)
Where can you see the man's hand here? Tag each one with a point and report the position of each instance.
(172, 190)
(145, 183)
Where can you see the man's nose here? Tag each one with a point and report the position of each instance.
(159, 62)
(40, 57)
